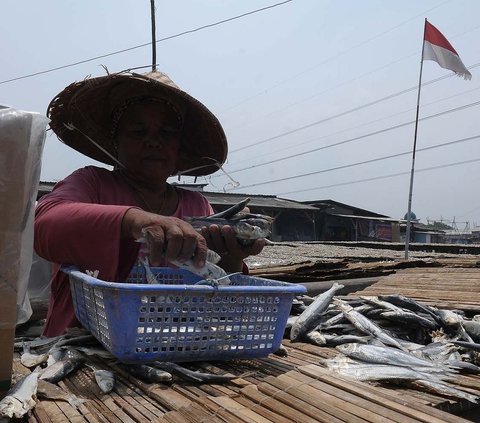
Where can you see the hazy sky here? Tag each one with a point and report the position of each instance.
(336, 79)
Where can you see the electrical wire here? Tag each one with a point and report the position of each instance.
(390, 156)
(146, 44)
(297, 144)
(347, 141)
(355, 109)
(382, 34)
(375, 178)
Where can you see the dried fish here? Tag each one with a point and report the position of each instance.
(312, 316)
(380, 372)
(72, 360)
(20, 399)
(384, 355)
(473, 329)
(50, 391)
(193, 376)
(408, 318)
(364, 324)
(231, 211)
(445, 389)
(29, 359)
(147, 373)
(244, 227)
(105, 378)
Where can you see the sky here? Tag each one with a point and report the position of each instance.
(317, 97)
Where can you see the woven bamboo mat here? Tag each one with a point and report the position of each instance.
(443, 287)
(276, 389)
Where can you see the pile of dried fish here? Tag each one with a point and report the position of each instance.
(53, 359)
(390, 339)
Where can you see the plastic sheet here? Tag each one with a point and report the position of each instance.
(22, 136)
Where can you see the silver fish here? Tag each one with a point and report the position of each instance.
(380, 372)
(467, 345)
(315, 338)
(245, 227)
(105, 378)
(473, 329)
(445, 389)
(410, 318)
(55, 354)
(365, 325)
(312, 316)
(72, 360)
(20, 399)
(231, 211)
(463, 366)
(435, 351)
(333, 340)
(194, 376)
(411, 305)
(147, 373)
(383, 355)
(379, 303)
(337, 318)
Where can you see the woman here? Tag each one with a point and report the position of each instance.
(149, 130)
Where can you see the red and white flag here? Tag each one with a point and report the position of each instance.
(436, 47)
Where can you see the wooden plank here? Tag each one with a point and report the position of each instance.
(219, 411)
(41, 414)
(136, 399)
(410, 408)
(317, 408)
(132, 410)
(72, 413)
(55, 414)
(333, 398)
(286, 405)
(268, 414)
(248, 415)
(195, 413)
(174, 417)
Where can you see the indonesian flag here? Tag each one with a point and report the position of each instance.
(436, 47)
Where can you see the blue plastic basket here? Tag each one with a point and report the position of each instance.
(179, 321)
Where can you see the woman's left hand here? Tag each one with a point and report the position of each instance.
(224, 242)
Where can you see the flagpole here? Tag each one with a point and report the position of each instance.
(412, 172)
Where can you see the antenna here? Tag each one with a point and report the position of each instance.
(154, 44)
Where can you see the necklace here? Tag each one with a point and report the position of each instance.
(149, 208)
(146, 205)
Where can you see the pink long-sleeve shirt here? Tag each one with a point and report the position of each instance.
(79, 223)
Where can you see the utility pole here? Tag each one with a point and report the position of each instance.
(154, 44)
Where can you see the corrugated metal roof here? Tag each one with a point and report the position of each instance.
(261, 201)
(225, 199)
(325, 204)
(352, 216)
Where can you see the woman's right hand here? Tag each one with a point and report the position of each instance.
(168, 237)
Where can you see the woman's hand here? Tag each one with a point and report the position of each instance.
(167, 237)
(224, 242)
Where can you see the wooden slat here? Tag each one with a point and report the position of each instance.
(325, 412)
(408, 407)
(348, 405)
(285, 404)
